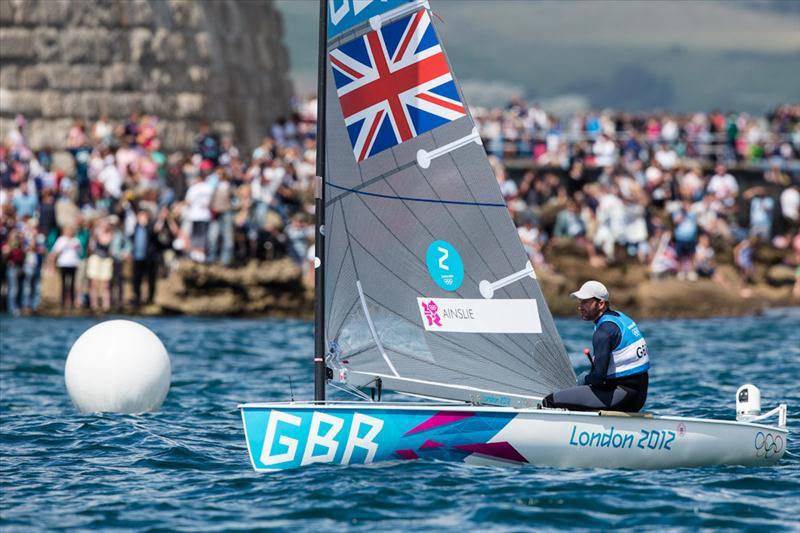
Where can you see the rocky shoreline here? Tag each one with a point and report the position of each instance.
(278, 289)
(633, 288)
(268, 289)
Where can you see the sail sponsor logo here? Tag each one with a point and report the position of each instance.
(645, 439)
(318, 440)
(479, 316)
(445, 265)
(431, 312)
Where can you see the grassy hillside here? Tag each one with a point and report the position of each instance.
(624, 54)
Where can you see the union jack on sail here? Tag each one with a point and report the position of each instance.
(394, 84)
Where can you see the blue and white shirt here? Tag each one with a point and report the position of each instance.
(619, 349)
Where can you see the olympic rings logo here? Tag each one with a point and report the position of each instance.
(768, 445)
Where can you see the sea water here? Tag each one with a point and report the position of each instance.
(186, 468)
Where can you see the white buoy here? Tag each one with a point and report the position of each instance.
(118, 366)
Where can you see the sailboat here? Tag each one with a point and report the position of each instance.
(423, 288)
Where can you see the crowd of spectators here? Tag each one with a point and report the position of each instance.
(672, 222)
(129, 211)
(617, 185)
(608, 138)
(654, 187)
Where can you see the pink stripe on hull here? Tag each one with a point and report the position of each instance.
(430, 444)
(439, 419)
(407, 454)
(500, 450)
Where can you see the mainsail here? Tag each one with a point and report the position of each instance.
(427, 286)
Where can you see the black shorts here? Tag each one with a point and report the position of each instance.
(199, 233)
(684, 249)
(626, 394)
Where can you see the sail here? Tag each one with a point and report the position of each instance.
(427, 286)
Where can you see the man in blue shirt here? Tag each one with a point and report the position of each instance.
(145, 257)
(81, 156)
(618, 379)
(25, 202)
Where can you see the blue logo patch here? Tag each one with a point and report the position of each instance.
(344, 14)
(445, 265)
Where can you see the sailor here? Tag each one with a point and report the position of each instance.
(618, 379)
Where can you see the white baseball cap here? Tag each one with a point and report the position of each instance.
(591, 289)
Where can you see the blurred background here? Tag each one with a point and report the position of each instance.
(627, 55)
(158, 155)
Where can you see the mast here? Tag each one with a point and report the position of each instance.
(319, 211)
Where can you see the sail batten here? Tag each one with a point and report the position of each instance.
(409, 199)
(416, 224)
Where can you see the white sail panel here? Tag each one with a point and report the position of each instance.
(464, 315)
(414, 214)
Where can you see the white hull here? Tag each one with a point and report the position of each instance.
(353, 433)
(610, 441)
